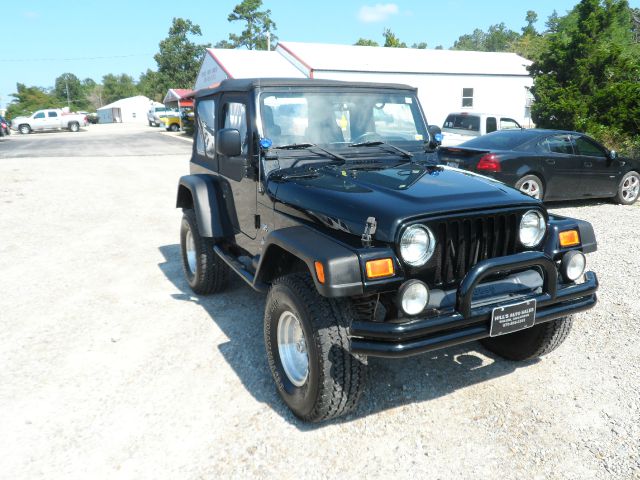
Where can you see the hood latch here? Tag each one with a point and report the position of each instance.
(369, 231)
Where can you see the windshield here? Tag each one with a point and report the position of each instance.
(341, 118)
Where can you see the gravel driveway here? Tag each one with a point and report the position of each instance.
(111, 368)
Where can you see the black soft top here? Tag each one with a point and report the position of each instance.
(247, 84)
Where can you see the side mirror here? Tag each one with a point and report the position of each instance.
(613, 155)
(228, 142)
(435, 135)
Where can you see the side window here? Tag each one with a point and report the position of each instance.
(557, 144)
(52, 114)
(509, 124)
(39, 115)
(588, 148)
(492, 124)
(467, 97)
(235, 116)
(206, 133)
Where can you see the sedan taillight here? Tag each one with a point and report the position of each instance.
(489, 163)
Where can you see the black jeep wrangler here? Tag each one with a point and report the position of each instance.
(327, 195)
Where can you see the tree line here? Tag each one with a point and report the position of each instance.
(586, 66)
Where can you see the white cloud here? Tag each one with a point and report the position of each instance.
(377, 13)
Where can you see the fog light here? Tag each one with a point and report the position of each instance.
(573, 265)
(413, 297)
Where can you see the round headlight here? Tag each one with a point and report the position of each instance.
(532, 228)
(417, 245)
(573, 265)
(413, 296)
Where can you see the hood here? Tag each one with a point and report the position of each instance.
(343, 199)
(14, 121)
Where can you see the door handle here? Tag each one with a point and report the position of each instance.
(588, 164)
(550, 161)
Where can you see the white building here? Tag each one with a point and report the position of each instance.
(447, 80)
(127, 110)
(220, 64)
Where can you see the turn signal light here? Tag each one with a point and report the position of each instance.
(489, 163)
(380, 268)
(569, 238)
(319, 271)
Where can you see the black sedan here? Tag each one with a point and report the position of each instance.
(549, 164)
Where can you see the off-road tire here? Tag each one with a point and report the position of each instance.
(211, 272)
(531, 342)
(24, 129)
(620, 197)
(74, 127)
(536, 186)
(336, 377)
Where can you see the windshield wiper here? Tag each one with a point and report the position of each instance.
(375, 143)
(310, 146)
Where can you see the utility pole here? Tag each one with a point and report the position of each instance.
(268, 40)
(66, 84)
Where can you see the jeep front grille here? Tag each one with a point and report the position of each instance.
(463, 242)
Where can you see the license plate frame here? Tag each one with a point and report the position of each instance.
(512, 318)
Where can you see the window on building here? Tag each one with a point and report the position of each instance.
(467, 97)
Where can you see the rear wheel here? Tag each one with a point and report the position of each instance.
(24, 129)
(532, 186)
(204, 270)
(74, 126)
(531, 342)
(174, 127)
(628, 189)
(308, 350)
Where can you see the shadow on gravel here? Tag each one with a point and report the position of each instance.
(594, 202)
(239, 310)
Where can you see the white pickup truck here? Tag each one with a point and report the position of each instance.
(54, 119)
(462, 126)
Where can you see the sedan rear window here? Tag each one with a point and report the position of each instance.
(501, 140)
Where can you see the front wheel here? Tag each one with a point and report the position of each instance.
(531, 342)
(532, 186)
(174, 127)
(24, 129)
(204, 270)
(628, 189)
(308, 350)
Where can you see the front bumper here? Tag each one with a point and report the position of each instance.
(466, 322)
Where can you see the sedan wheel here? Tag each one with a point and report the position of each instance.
(531, 185)
(629, 189)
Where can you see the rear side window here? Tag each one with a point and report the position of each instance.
(556, 144)
(462, 122)
(206, 132)
(492, 124)
(52, 114)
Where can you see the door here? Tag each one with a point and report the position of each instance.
(559, 166)
(598, 173)
(238, 170)
(53, 121)
(39, 121)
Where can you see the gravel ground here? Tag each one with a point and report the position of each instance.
(113, 369)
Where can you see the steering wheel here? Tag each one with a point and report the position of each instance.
(367, 137)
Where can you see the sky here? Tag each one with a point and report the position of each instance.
(43, 39)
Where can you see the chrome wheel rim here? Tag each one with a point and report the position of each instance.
(292, 348)
(630, 188)
(531, 188)
(190, 247)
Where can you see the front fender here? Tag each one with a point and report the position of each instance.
(557, 224)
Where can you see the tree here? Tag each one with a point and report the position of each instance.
(69, 90)
(498, 38)
(531, 19)
(474, 41)
(365, 42)
(29, 99)
(116, 87)
(421, 45)
(390, 40)
(149, 85)
(178, 60)
(258, 26)
(587, 75)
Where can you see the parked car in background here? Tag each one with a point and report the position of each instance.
(549, 164)
(157, 113)
(463, 126)
(53, 119)
(5, 127)
(172, 122)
